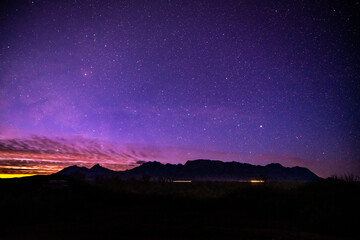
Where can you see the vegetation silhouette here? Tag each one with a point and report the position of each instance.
(53, 207)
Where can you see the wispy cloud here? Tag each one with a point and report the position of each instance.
(44, 155)
(37, 154)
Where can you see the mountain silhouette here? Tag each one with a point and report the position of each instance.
(197, 170)
(89, 173)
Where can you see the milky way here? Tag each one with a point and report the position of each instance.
(252, 81)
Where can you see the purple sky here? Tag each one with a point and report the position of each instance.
(250, 81)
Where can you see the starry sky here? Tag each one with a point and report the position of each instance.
(123, 82)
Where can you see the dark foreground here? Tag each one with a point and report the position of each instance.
(41, 208)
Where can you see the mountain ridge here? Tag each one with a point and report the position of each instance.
(196, 170)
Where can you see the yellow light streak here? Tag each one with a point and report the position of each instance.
(256, 181)
(182, 181)
(4, 175)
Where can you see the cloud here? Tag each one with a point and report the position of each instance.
(140, 162)
(44, 155)
(49, 155)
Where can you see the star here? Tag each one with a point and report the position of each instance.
(214, 73)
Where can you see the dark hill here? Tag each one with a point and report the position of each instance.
(199, 170)
(95, 171)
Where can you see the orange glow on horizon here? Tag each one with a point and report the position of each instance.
(29, 164)
(4, 175)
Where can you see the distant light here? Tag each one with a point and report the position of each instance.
(182, 181)
(261, 126)
(257, 181)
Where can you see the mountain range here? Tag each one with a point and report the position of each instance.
(195, 170)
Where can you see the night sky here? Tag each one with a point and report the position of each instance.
(122, 82)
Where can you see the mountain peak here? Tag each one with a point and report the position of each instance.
(198, 170)
(275, 165)
(73, 170)
(95, 171)
(201, 162)
(97, 166)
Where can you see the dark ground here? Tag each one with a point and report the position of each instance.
(41, 208)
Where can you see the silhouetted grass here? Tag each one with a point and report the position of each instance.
(38, 208)
(346, 178)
